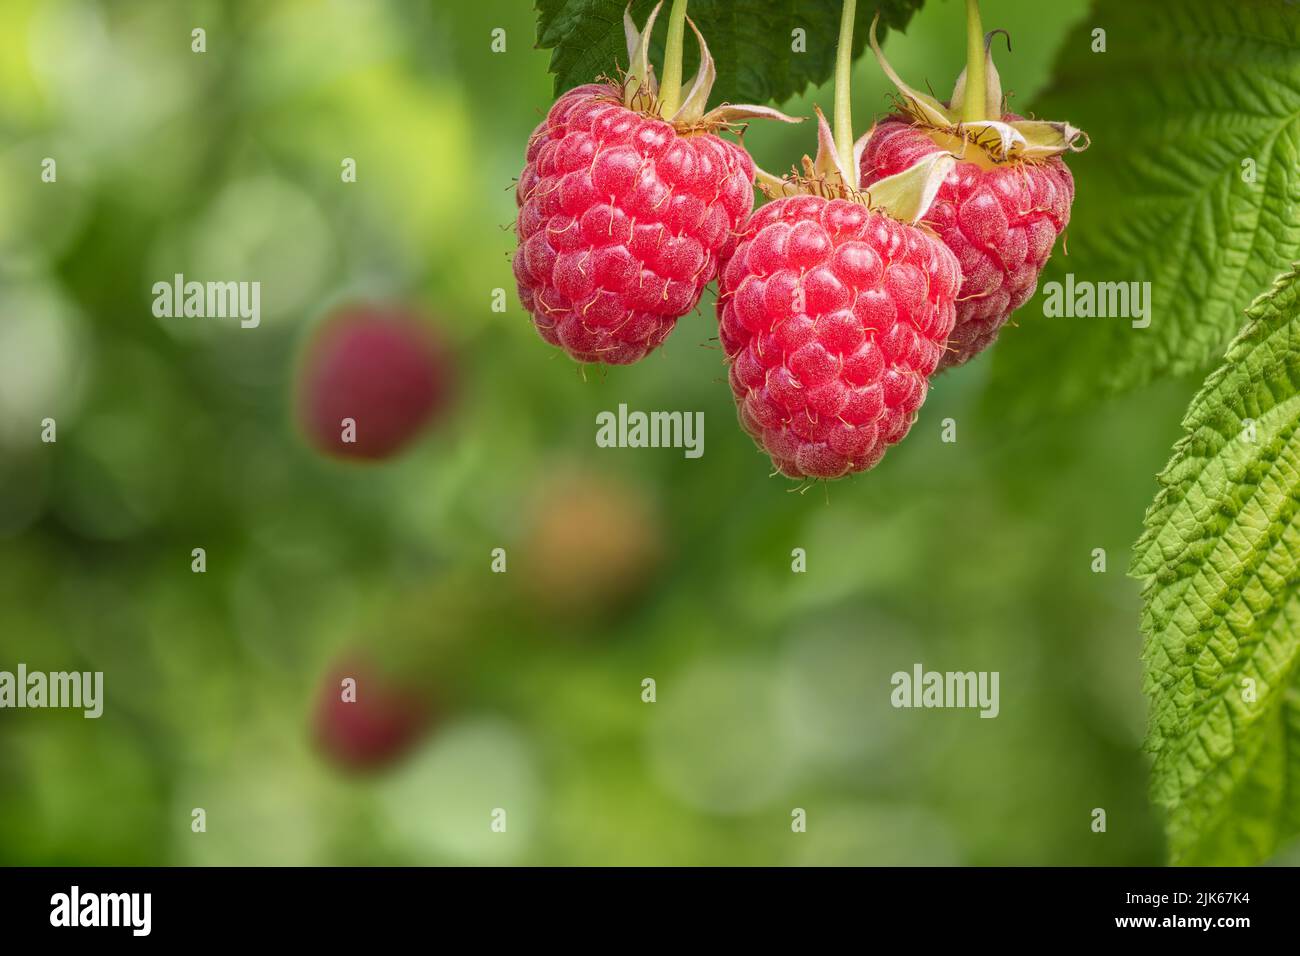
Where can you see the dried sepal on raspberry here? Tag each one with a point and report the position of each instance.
(686, 110)
(976, 113)
(905, 196)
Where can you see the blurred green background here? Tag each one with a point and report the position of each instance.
(772, 687)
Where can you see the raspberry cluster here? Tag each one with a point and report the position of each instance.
(884, 261)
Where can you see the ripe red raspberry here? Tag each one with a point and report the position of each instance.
(1002, 207)
(376, 722)
(621, 223)
(627, 202)
(382, 368)
(1000, 219)
(832, 317)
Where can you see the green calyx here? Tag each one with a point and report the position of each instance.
(686, 108)
(975, 113)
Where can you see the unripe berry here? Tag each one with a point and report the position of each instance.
(593, 544)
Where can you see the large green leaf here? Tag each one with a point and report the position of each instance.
(1220, 561)
(1188, 99)
(751, 41)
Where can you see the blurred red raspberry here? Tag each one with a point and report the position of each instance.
(374, 374)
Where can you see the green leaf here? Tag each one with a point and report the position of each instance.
(1220, 562)
(1187, 99)
(750, 40)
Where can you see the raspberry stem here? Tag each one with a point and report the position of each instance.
(670, 89)
(843, 75)
(973, 108)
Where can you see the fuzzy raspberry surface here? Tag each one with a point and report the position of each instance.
(1001, 223)
(622, 221)
(832, 318)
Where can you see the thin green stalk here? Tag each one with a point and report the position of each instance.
(670, 86)
(972, 109)
(843, 131)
